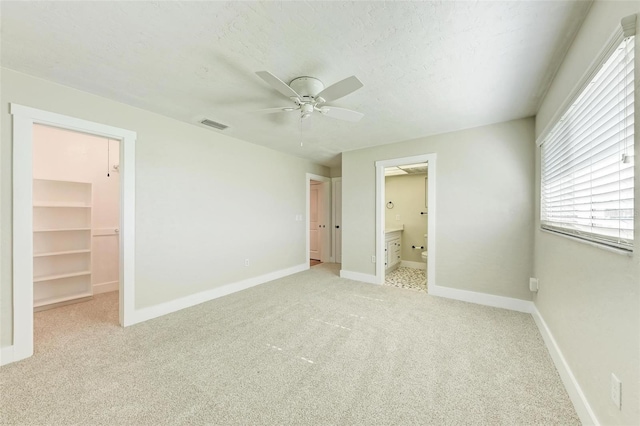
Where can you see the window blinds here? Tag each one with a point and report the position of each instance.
(587, 158)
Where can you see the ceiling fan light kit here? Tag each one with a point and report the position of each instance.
(309, 95)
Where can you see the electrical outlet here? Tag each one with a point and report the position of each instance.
(373, 259)
(397, 217)
(246, 262)
(534, 284)
(616, 391)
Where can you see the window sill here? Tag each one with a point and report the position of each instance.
(590, 243)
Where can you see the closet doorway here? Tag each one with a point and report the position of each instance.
(76, 216)
(39, 205)
(76, 220)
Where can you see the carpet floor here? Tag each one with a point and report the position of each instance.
(311, 348)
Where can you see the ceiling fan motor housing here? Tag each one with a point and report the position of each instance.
(307, 87)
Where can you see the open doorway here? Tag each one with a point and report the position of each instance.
(406, 216)
(318, 221)
(77, 199)
(316, 202)
(405, 221)
(76, 219)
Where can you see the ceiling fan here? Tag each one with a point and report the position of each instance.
(309, 95)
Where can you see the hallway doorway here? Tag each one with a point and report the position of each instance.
(318, 219)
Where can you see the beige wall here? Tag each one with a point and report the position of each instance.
(485, 205)
(589, 297)
(200, 211)
(407, 192)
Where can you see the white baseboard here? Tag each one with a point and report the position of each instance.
(106, 287)
(358, 276)
(482, 298)
(6, 355)
(413, 265)
(580, 403)
(145, 314)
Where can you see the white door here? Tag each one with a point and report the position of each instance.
(337, 219)
(315, 239)
(324, 220)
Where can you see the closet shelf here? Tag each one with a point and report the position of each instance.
(60, 276)
(62, 229)
(62, 205)
(52, 300)
(59, 253)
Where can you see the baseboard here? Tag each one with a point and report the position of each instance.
(579, 400)
(358, 276)
(106, 287)
(6, 355)
(413, 265)
(482, 298)
(151, 312)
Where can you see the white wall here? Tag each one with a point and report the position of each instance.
(200, 210)
(589, 297)
(407, 192)
(65, 155)
(484, 202)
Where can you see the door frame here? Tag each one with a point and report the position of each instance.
(326, 254)
(431, 217)
(23, 120)
(334, 240)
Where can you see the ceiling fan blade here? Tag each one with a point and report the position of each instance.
(277, 84)
(340, 89)
(274, 110)
(341, 113)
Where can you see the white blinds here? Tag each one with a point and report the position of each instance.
(587, 158)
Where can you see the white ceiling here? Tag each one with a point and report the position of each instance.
(427, 67)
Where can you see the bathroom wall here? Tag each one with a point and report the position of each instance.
(65, 155)
(485, 206)
(407, 192)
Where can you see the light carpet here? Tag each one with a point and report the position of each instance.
(311, 348)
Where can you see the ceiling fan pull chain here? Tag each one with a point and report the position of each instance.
(108, 147)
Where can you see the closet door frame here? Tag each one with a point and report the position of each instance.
(24, 119)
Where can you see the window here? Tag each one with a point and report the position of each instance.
(587, 158)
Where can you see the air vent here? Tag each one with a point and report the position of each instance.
(213, 124)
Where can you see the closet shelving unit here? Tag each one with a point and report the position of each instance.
(61, 242)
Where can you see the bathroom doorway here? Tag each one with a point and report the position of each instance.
(405, 222)
(406, 216)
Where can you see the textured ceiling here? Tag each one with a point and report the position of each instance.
(427, 67)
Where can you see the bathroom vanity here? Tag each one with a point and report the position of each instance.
(392, 248)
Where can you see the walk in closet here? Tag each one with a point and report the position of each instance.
(75, 216)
